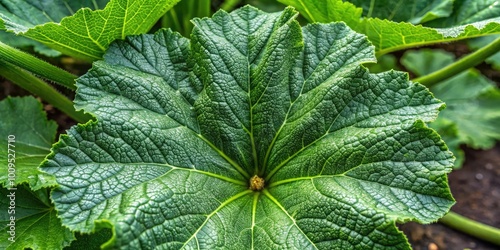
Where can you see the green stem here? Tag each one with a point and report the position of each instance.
(229, 5)
(34, 85)
(204, 9)
(37, 66)
(472, 227)
(464, 63)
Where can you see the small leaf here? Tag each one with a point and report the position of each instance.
(327, 11)
(449, 133)
(25, 127)
(255, 134)
(31, 220)
(87, 33)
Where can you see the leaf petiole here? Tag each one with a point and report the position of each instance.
(34, 85)
(464, 63)
(472, 227)
(37, 66)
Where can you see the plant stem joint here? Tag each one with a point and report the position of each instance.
(257, 183)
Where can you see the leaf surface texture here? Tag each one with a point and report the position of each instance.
(184, 124)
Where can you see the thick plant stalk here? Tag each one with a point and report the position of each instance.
(34, 85)
(229, 5)
(37, 66)
(464, 63)
(472, 227)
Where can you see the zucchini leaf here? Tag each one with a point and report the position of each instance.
(35, 224)
(80, 28)
(24, 120)
(388, 36)
(468, 11)
(254, 134)
(28, 14)
(412, 11)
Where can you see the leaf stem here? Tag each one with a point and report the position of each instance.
(229, 5)
(464, 63)
(37, 66)
(472, 227)
(34, 85)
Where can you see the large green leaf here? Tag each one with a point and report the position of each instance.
(386, 35)
(25, 128)
(472, 100)
(80, 32)
(29, 221)
(256, 134)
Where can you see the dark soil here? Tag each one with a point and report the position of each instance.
(476, 188)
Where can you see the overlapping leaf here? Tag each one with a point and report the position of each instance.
(468, 11)
(413, 11)
(183, 125)
(34, 216)
(388, 36)
(77, 31)
(33, 136)
(24, 15)
(35, 224)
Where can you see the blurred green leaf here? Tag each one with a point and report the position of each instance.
(413, 11)
(472, 100)
(36, 224)
(22, 42)
(480, 42)
(23, 119)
